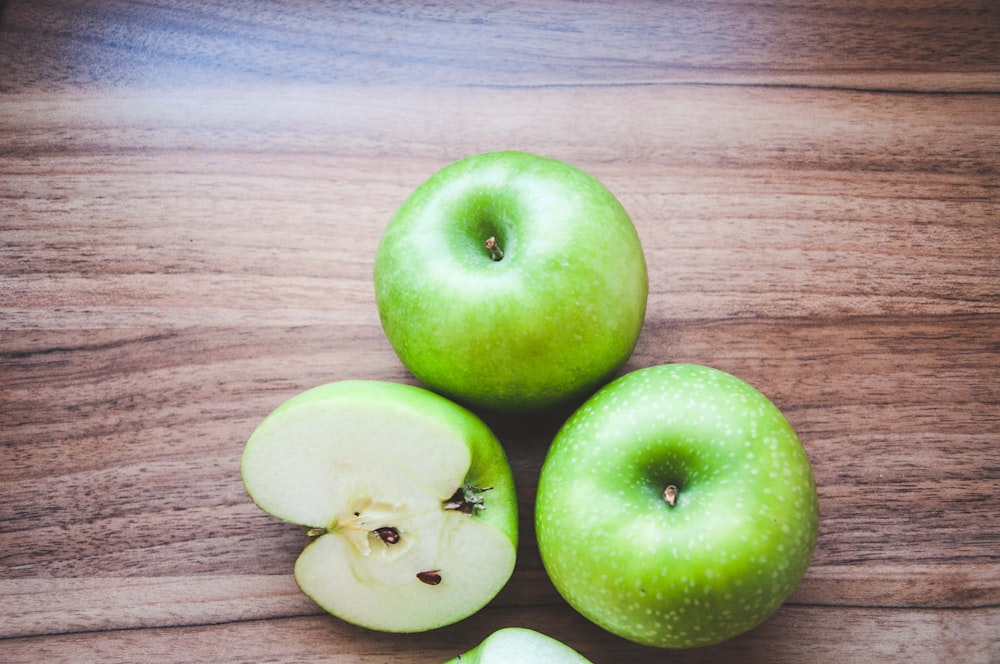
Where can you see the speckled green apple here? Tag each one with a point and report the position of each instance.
(407, 499)
(519, 645)
(511, 282)
(677, 507)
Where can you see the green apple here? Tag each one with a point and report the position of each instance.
(676, 507)
(407, 499)
(511, 282)
(518, 645)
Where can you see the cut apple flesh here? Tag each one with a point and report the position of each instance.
(397, 546)
(517, 645)
(453, 569)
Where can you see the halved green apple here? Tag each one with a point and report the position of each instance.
(407, 498)
(516, 645)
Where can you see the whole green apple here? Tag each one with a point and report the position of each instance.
(511, 282)
(407, 499)
(519, 645)
(676, 507)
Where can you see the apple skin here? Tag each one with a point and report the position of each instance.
(731, 549)
(543, 326)
(346, 460)
(519, 645)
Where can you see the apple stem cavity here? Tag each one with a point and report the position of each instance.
(670, 495)
(466, 499)
(493, 248)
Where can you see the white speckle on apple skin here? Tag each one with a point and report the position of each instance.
(748, 528)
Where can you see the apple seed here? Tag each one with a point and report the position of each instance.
(430, 577)
(670, 495)
(387, 534)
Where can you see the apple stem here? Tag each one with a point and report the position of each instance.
(494, 250)
(670, 495)
(466, 499)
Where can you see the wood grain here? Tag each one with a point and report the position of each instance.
(191, 195)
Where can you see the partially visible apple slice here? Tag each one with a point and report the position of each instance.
(517, 645)
(408, 500)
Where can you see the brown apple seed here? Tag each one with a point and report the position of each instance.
(387, 534)
(430, 577)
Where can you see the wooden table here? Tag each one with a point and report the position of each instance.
(191, 196)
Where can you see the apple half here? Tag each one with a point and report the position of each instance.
(407, 499)
(517, 645)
